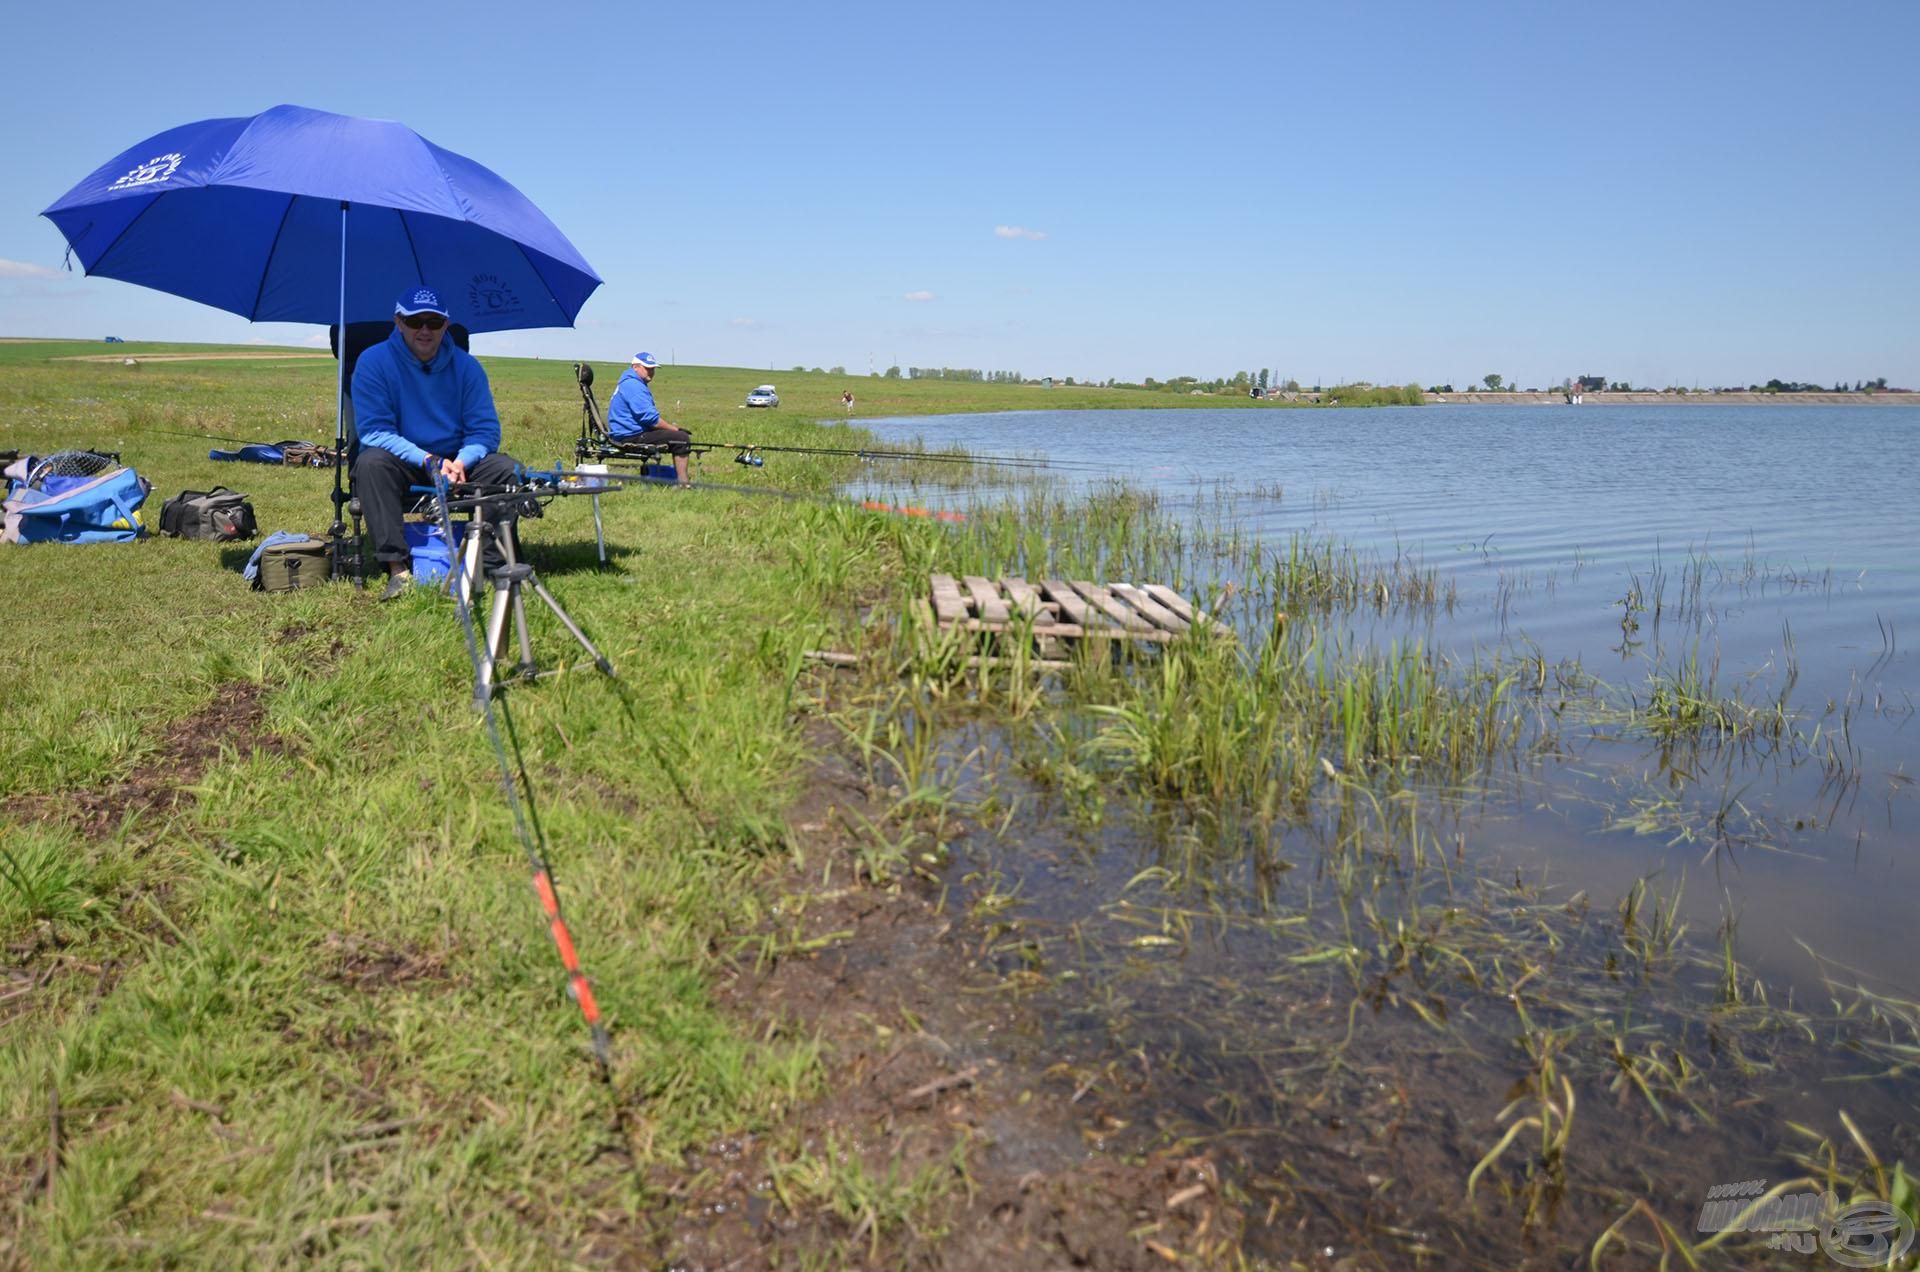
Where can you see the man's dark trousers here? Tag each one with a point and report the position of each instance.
(381, 480)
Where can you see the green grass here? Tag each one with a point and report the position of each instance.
(308, 1009)
(295, 387)
(331, 930)
(211, 952)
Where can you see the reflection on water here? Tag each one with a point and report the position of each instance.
(1678, 932)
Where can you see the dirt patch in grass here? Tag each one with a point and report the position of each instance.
(182, 755)
(365, 962)
(1007, 1162)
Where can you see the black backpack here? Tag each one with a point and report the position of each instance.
(219, 514)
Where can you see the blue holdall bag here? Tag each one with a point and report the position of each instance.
(73, 497)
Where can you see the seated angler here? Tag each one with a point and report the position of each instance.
(422, 406)
(633, 419)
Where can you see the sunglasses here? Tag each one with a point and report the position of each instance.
(432, 322)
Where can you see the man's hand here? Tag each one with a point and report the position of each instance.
(437, 466)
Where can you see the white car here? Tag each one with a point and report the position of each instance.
(763, 396)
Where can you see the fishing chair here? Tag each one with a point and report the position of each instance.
(360, 337)
(596, 445)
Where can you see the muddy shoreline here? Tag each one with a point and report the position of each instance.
(921, 1084)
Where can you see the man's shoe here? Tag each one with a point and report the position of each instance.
(398, 585)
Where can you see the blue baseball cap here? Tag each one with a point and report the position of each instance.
(644, 359)
(419, 300)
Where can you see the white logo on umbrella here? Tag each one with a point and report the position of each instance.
(159, 168)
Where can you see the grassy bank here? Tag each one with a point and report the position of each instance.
(279, 985)
(713, 395)
(278, 990)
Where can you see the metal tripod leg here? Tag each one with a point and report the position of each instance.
(599, 531)
(508, 597)
(540, 590)
(528, 668)
(462, 584)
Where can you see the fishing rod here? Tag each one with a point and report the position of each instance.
(866, 505)
(751, 454)
(867, 454)
(530, 839)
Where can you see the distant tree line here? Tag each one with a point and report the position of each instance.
(1878, 385)
(1240, 382)
(1261, 382)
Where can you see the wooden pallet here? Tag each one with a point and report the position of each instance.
(1064, 610)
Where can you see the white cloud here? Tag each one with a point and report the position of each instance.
(918, 295)
(20, 269)
(1017, 232)
(743, 322)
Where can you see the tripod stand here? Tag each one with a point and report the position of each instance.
(511, 581)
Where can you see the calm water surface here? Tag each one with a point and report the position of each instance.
(1774, 545)
(1779, 542)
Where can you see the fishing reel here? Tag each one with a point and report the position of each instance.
(750, 459)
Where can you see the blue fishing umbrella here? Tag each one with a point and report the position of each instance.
(297, 215)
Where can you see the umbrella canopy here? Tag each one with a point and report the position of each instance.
(297, 215)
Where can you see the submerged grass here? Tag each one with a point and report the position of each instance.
(1299, 793)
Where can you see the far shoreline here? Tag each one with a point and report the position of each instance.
(1700, 398)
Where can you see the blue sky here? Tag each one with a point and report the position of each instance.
(1698, 193)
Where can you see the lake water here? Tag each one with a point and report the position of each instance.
(1801, 526)
(1777, 545)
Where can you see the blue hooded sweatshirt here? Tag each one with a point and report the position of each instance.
(630, 411)
(414, 408)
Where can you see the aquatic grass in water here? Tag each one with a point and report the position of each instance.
(1306, 917)
(1319, 573)
(1202, 722)
(1595, 1007)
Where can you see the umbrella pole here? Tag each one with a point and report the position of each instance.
(338, 531)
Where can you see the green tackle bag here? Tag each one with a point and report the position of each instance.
(282, 567)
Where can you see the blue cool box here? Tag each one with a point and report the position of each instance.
(432, 554)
